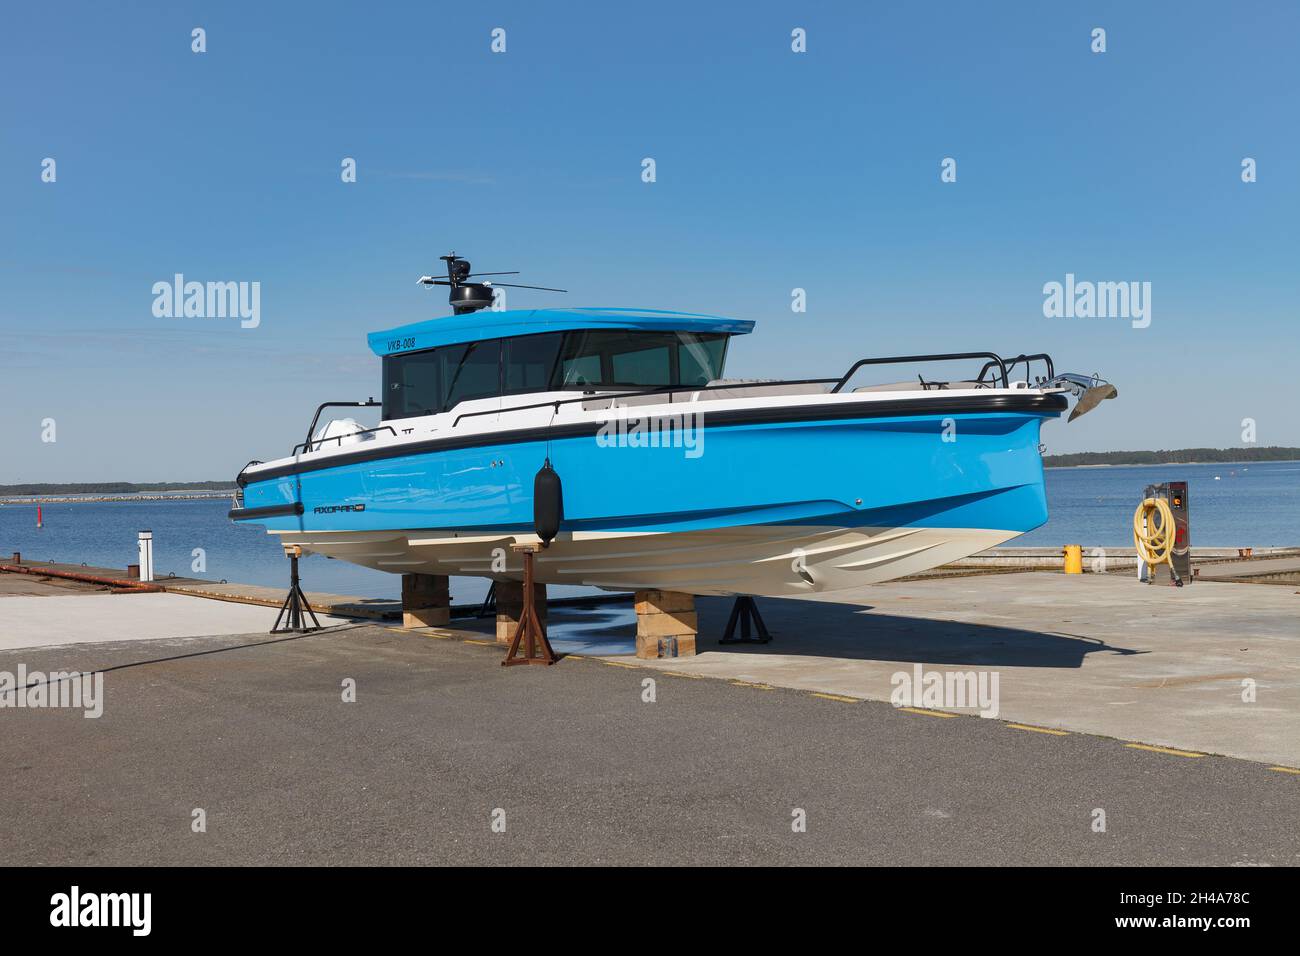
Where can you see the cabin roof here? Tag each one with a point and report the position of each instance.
(478, 326)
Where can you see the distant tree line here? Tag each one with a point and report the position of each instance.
(1188, 455)
(115, 487)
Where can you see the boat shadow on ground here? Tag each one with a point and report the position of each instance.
(857, 632)
(846, 631)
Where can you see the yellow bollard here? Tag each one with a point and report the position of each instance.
(1073, 559)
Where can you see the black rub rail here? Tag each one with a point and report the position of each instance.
(269, 511)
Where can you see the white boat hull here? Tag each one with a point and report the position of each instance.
(779, 560)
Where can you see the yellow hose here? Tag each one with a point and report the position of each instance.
(1154, 540)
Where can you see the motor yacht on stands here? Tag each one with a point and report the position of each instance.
(670, 475)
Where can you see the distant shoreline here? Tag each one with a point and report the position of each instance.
(1174, 456)
(126, 496)
(38, 492)
(1172, 464)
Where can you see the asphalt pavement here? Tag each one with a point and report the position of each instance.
(445, 757)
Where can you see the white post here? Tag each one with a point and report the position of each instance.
(146, 555)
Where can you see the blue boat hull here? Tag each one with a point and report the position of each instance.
(782, 507)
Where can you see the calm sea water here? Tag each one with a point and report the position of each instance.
(1256, 505)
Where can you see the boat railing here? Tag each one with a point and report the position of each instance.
(311, 429)
(311, 444)
(1027, 361)
(239, 478)
(670, 391)
(993, 361)
(314, 443)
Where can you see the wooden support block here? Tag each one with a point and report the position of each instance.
(652, 602)
(666, 624)
(426, 600)
(510, 605)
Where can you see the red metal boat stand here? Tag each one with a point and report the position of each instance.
(537, 649)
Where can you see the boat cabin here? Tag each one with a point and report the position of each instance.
(431, 367)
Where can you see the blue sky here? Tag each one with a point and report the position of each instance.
(775, 170)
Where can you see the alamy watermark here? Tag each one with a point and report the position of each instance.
(946, 689)
(130, 910)
(1100, 300)
(37, 690)
(684, 430)
(209, 300)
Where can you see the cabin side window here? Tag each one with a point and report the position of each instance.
(471, 371)
(632, 359)
(412, 384)
(436, 380)
(700, 358)
(528, 362)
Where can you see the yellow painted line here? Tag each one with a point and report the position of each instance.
(927, 713)
(422, 632)
(481, 643)
(842, 700)
(745, 683)
(1040, 730)
(1285, 770)
(1164, 750)
(680, 674)
(631, 667)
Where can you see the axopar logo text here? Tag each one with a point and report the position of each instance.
(103, 909)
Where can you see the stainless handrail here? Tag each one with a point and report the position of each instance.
(901, 359)
(305, 446)
(669, 391)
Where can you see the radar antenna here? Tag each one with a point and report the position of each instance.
(466, 296)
